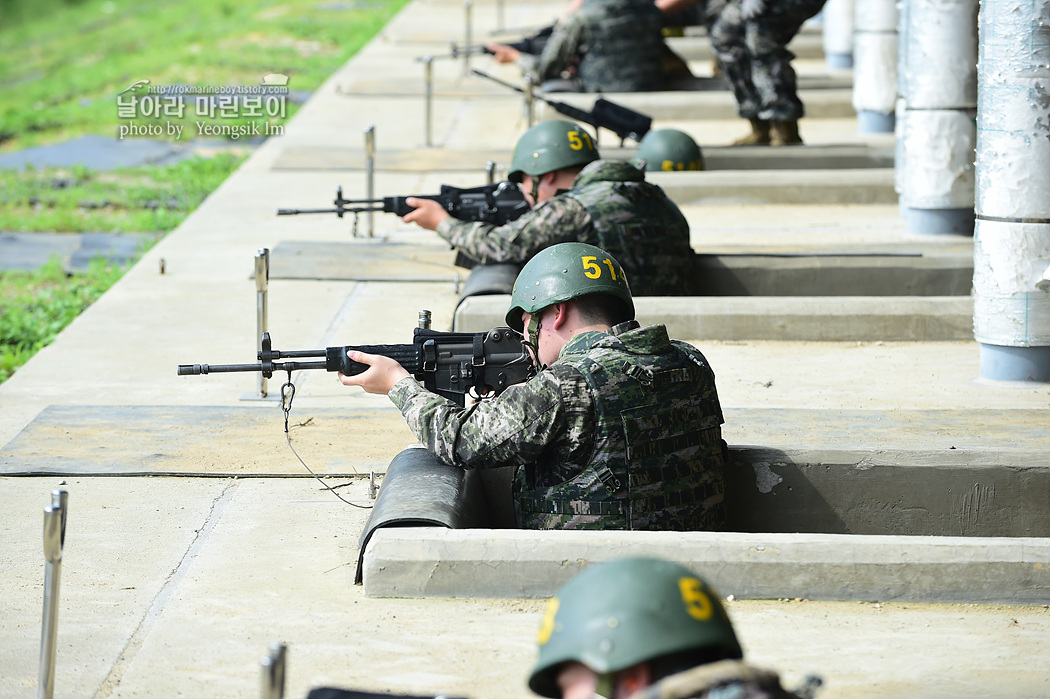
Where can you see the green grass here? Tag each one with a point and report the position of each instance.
(62, 65)
(134, 199)
(36, 306)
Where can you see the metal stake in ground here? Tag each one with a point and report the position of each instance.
(468, 38)
(262, 279)
(370, 172)
(273, 671)
(54, 540)
(428, 97)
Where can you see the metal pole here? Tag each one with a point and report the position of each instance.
(468, 6)
(262, 280)
(54, 540)
(428, 81)
(370, 172)
(499, 15)
(273, 671)
(529, 100)
(490, 170)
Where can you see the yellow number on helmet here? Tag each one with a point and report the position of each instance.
(697, 603)
(591, 270)
(547, 625)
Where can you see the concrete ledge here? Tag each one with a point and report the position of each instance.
(809, 157)
(698, 48)
(687, 105)
(860, 186)
(436, 562)
(828, 319)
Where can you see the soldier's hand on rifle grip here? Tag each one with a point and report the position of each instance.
(428, 213)
(380, 378)
(503, 53)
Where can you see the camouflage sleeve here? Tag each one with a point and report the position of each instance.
(561, 48)
(556, 220)
(512, 429)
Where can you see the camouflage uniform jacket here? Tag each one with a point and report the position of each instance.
(609, 205)
(726, 679)
(619, 45)
(622, 431)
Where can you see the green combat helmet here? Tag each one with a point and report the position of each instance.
(618, 614)
(670, 150)
(550, 146)
(564, 272)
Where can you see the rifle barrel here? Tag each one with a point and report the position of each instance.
(203, 369)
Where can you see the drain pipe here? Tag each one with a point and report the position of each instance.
(875, 65)
(837, 34)
(1011, 317)
(939, 62)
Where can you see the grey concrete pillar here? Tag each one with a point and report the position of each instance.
(939, 84)
(1012, 236)
(875, 64)
(837, 34)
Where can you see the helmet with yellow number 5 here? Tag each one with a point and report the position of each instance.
(564, 272)
(615, 615)
(669, 150)
(549, 146)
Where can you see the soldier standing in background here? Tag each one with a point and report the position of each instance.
(577, 197)
(621, 427)
(749, 39)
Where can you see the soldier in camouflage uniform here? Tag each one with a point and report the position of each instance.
(601, 45)
(644, 628)
(577, 197)
(749, 39)
(621, 431)
(611, 45)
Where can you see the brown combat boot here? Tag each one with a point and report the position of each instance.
(785, 133)
(759, 135)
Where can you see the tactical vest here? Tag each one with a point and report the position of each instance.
(623, 42)
(658, 455)
(638, 225)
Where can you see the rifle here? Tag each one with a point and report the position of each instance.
(450, 364)
(495, 203)
(622, 121)
(532, 45)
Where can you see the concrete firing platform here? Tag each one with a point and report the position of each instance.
(176, 584)
(812, 157)
(819, 318)
(437, 562)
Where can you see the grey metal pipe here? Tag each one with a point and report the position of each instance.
(428, 99)
(468, 11)
(370, 173)
(54, 541)
(1012, 199)
(273, 671)
(262, 282)
(529, 101)
(490, 171)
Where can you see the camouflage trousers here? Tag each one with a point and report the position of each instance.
(755, 59)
